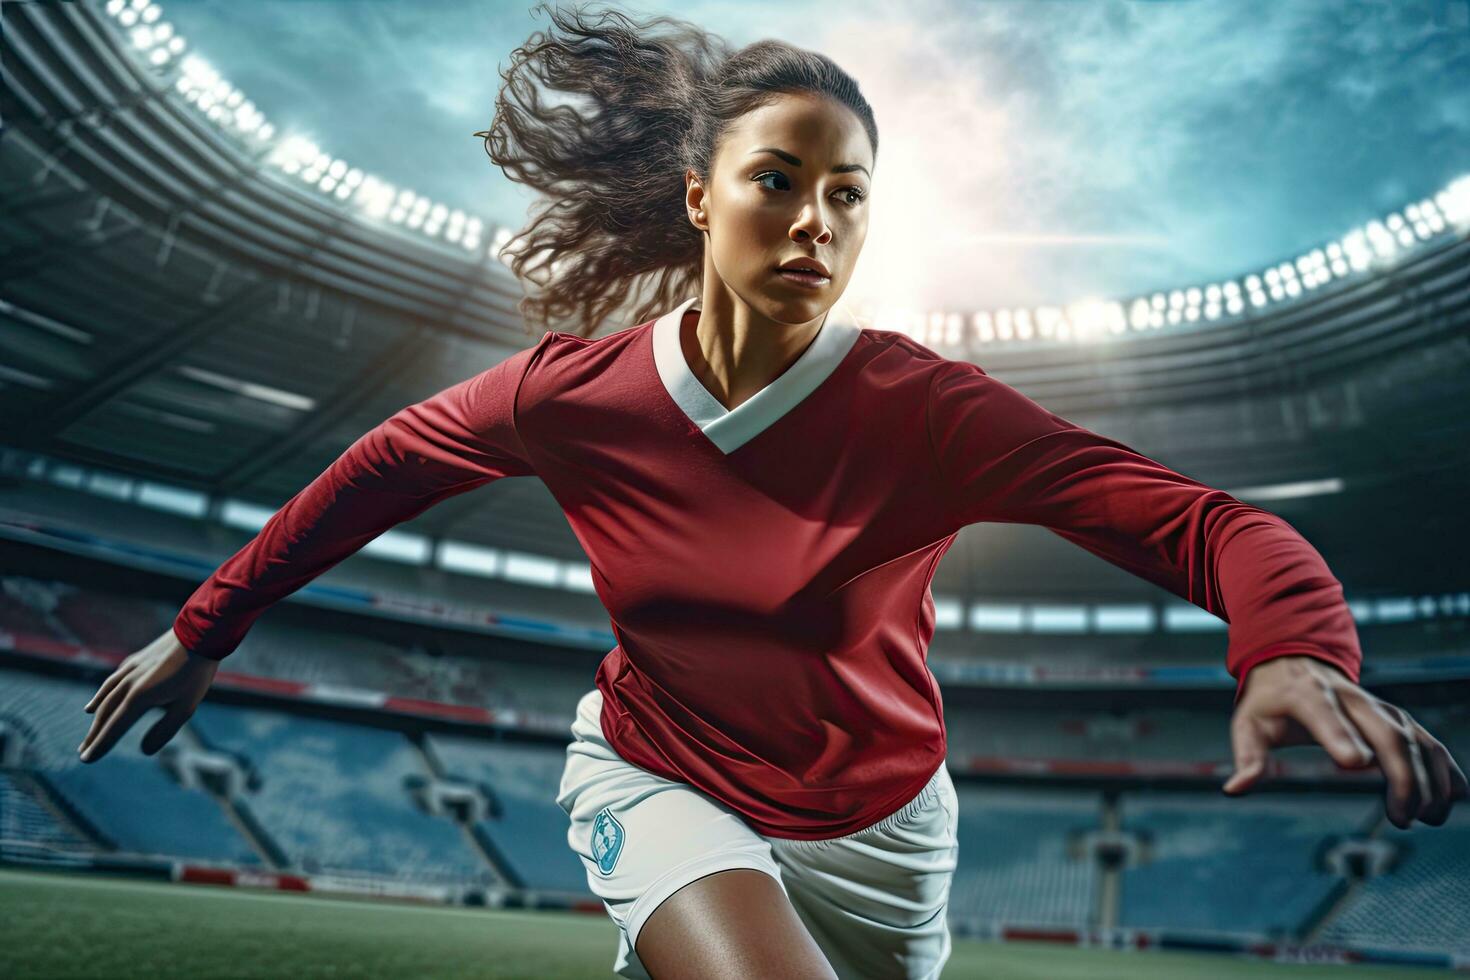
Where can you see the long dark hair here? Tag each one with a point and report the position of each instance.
(613, 172)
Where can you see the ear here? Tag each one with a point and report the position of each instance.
(694, 200)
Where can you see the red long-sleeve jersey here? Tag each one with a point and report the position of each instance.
(766, 569)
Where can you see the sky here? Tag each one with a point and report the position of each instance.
(1031, 151)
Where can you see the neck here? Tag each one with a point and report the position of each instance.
(735, 351)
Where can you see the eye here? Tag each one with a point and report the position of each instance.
(758, 178)
(861, 195)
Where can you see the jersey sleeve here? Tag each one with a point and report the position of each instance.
(1002, 457)
(456, 440)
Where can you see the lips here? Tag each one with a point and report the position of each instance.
(802, 276)
(805, 264)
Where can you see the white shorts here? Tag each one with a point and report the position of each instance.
(875, 901)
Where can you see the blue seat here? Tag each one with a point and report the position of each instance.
(333, 795)
(1231, 865)
(29, 829)
(126, 795)
(532, 829)
(1014, 863)
(1423, 903)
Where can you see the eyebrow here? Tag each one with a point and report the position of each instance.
(845, 168)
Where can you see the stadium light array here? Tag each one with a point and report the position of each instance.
(200, 84)
(1374, 246)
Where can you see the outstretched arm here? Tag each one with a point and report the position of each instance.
(458, 439)
(1002, 457)
(999, 456)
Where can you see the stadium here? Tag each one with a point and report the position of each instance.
(198, 313)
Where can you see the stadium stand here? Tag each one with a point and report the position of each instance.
(280, 649)
(29, 830)
(1015, 862)
(1423, 903)
(287, 651)
(334, 796)
(1222, 864)
(104, 620)
(530, 829)
(1152, 734)
(18, 612)
(132, 799)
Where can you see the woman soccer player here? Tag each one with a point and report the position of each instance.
(756, 783)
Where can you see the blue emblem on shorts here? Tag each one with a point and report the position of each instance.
(607, 840)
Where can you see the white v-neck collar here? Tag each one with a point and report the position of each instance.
(729, 429)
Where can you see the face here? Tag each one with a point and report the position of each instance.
(788, 180)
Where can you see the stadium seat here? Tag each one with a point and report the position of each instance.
(1233, 865)
(1014, 862)
(127, 796)
(333, 795)
(28, 829)
(1422, 904)
(532, 829)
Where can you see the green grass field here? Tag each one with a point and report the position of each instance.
(55, 924)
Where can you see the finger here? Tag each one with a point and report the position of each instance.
(166, 727)
(1324, 718)
(1407, 729)
(122, 719)
(1391, 748)
(112, 681)
(104, 712)
(1425, 795)
(1248, 743)
(1437, 760)
(1458, 782)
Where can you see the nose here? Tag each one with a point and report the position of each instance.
(811, 226)
(801, 231)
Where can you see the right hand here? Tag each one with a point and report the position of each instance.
(162, 674)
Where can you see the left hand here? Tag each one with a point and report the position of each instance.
(1299, 700)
